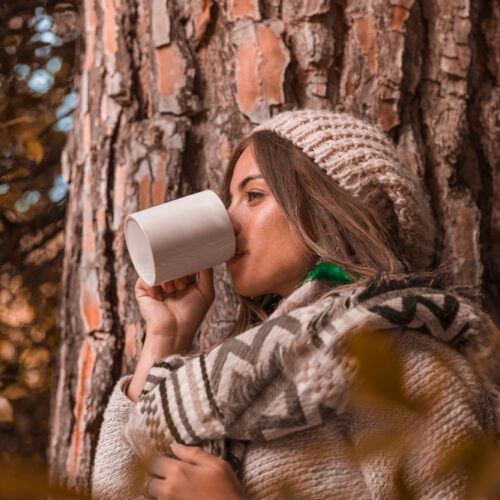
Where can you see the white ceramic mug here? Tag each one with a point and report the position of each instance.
(179, 237)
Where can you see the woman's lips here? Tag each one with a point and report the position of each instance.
(235, 257)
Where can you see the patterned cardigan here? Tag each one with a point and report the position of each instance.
(286, 403)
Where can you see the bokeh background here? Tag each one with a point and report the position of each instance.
(37, 99)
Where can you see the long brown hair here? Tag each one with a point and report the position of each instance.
(332, 223)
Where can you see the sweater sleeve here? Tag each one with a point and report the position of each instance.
(115, 462)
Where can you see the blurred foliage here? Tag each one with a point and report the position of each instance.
(37, 51)
(27, 480)
(380, 390)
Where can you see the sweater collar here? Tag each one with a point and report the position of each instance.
(304, 295)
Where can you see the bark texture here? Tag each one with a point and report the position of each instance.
(167, 87)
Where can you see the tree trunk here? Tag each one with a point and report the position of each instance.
(167, 87)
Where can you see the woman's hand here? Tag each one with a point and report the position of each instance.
(196, 474)
(173, 311)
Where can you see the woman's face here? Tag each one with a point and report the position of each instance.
(270, 256)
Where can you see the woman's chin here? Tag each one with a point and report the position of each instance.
(246, 289)
(245, 282)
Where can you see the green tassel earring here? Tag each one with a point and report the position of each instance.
(326, 271)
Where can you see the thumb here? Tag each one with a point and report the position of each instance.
(193, 455)
(206, 284)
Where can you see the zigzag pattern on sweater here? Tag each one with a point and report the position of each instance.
(289, 372)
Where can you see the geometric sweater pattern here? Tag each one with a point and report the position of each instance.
(294, 371)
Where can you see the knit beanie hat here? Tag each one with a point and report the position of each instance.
(364, 162)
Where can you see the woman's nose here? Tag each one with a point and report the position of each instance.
(234, 222)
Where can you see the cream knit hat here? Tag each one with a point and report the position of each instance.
(364, 162)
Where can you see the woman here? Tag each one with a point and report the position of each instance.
(330, 228)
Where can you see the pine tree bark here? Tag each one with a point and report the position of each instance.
(167, 87)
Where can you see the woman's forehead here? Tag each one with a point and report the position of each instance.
(246, 166)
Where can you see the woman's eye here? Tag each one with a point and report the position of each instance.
(252, 195)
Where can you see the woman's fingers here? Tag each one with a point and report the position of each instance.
(178, 284)
(161, 466)
(154, 488)
(153, 291)
(193, 474)
(168, 286)
(194, 455)
(175, 285)
(166, 472)
(206, 284)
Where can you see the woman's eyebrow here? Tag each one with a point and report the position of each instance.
(247, 179)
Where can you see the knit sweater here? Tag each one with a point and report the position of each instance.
(333, 455)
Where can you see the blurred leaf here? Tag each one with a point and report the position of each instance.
(288, 492)
(6, 411)
(379, 376)
(403, 489)
(14, 121)
(29, 481)
(479, 458)
(14, 391)
(33, 150)
(386, 440)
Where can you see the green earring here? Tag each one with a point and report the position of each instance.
(326, 271)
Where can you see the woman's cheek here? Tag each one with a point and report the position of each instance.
(252, 276)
